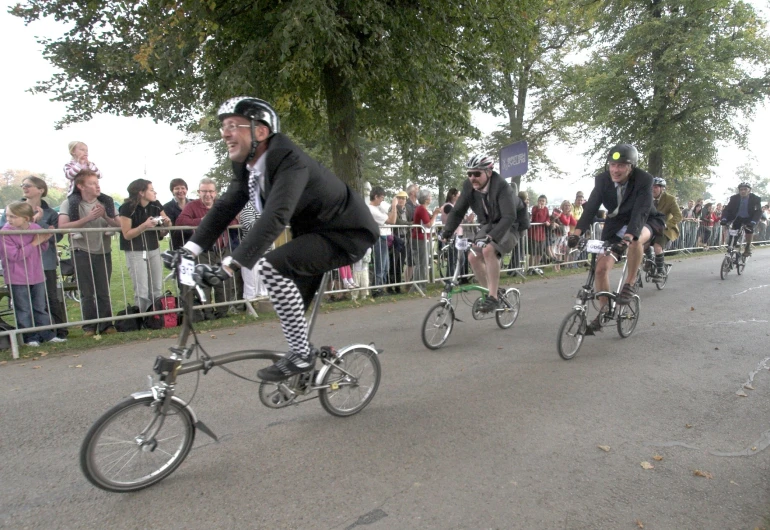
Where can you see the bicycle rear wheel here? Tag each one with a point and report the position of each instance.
(740, 263)
(725, 268)
(133, 445)
(437, 325)
(353, 380)
(510, 305)
(571, 334)
(628, 317)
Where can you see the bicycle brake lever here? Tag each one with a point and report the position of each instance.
(201, 294)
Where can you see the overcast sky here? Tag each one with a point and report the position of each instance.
(125, 149)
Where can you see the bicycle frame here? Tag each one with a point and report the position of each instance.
(587, 293)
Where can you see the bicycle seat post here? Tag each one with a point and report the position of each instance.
(316, 304)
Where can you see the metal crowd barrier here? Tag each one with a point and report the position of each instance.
(411, 263)
(110, 283)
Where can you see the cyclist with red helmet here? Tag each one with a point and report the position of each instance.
(492, 200)
(626, 192)
(745, 209)
(331, 225)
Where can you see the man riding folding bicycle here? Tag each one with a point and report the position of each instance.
(331, 226)
(493, 202)
(744, 209)
(626, 192)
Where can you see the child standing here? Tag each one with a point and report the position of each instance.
(23, 266)
(361, 274)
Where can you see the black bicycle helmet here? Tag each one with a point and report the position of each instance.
(625, 154)
(480, 162)
(744, 185)
(657, 181)
(251, 108)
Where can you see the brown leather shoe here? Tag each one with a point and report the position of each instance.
(109, 331)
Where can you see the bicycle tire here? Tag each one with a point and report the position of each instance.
(506, 316)
(572, 327)
(724, 269)
(740, 264)
(628, 317)
(347, 397)
(111, 457)
(437, 325)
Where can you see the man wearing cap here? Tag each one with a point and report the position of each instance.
(577, 206)
(331, 225)
(398, 248)
(666, 204)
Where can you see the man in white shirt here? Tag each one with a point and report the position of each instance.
(381, 217)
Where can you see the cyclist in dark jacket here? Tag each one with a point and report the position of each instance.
(626, 192)
(331, 225)
(745, 209)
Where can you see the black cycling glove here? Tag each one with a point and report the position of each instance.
(445, 236)
(172, 258)
(208, 275)
(573, 240)
(483, 242)
(724, 222)
(619, 248)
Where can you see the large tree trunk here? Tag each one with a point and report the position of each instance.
(655, 165)
(341, 112)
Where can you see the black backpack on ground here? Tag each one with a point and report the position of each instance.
(5, 341)
(129, 324)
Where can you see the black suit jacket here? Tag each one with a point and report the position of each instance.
(300, 193)
(635, 207)
(501, 215)
(755, 208)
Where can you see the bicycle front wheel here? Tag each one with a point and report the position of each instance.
(134, 445)
(438, 325)
(725, 268)
(740, 263)
(509, 312)
(571, 334)
(353, 380)
(628, 317)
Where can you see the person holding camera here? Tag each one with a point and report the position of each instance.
(140, 216)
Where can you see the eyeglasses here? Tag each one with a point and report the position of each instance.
(230, 127)
(206, 192)
(474, 174)
(25, 186)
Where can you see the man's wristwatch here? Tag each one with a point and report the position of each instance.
(230, 263)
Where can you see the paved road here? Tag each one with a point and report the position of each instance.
(492, 431)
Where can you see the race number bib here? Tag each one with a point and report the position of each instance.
(461, 243)
(595, 246)
(186, 268)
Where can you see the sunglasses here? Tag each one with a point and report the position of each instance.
(474, 174)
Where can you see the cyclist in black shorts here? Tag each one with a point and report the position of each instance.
(492, 200)
(626, 192)
(330, 224)
(745, 209)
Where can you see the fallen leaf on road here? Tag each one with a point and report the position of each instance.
(748, 386)
(716, 348)
(213, 336)
(34, 358)
(499, 347)
(733, 482)
(36, 367)
(657, 458)
(3, 362)
(43, 353)
(76, 355)
(174, 336)
(653, 323)
(605, 448)
(647, 465)
(639, 523)
(78, 366)
(705, 474)
(692, 309)
(233, 333)
(741, 393)
(753, 448)
(687, 426)
(331, 324)
(97, 337)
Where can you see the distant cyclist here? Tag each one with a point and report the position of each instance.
(626, 192)
(330, 223)
(666, 205)
(743, 209)
(493, 202)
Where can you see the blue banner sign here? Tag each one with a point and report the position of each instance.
(514, 160)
